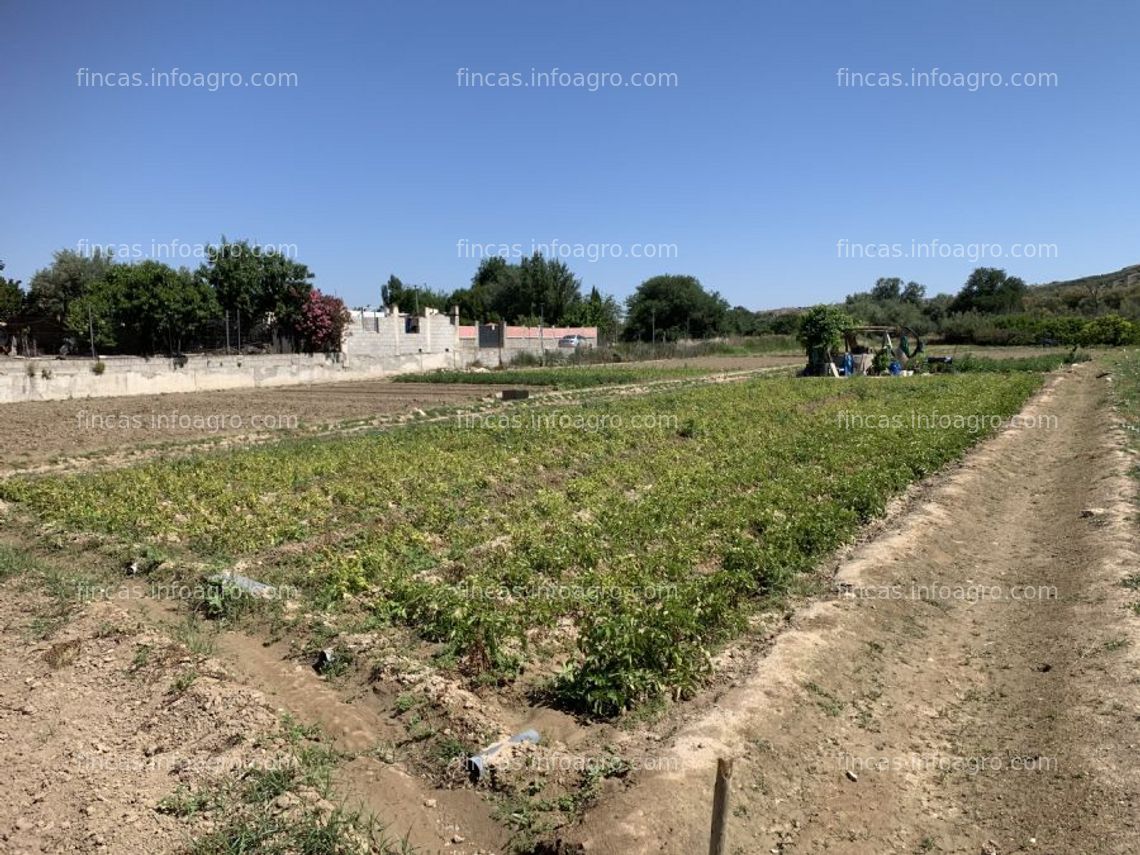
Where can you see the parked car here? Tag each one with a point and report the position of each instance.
(573, 341)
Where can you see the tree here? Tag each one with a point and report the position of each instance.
(11, 297)
(533, 288)
(413, 298)
(167, 306)
(93, 317)
(143, 308)
(69, 277)
(597, 311)
(1094, 286)
(322, 323)
(990, 291)
(1107, 329)
(494, 288)
(937, 307)
(887, 289)
(674, 307)
(889, 311)
(914, 293)
(821, 331)
(777, 323)
(284, 289)
(257, 283)
(392, 291)
(552, 290)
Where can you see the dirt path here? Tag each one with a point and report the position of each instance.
(974, 691)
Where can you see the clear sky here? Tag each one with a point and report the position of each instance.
(749, 164)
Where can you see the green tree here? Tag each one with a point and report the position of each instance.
(887, 289)
(674, 307)
(551, 289)
(257, 283)
(821, 331)
(70, 276)
(990, 291)
(1107, 329)
(93, 319)
(597, 311)
(522, 292)
(494, 286)
(413, 298)
(11, 297)
(143, 308)
(914, 293)
(392, 291)
(742, 321)
(937, 308)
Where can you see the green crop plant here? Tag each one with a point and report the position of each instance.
(630, 553)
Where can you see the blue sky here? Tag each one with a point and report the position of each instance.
(750, 170)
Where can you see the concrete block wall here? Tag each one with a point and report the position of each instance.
(372, 334)
(375, 346)
(55, 379)
(518, 340)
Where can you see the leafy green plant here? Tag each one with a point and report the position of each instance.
(222, 600)
(822, 328)
(633, 556)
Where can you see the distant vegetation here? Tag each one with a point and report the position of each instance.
(972, 363)
(100, 303)
(90, 301)
(994, 308)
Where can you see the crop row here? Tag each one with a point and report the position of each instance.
(560, 377)
(624, 553)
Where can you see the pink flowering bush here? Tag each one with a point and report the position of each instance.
(322, 322)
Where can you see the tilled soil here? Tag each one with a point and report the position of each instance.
(96, 730)
(39, 431)
(970, 688)
(973, 689)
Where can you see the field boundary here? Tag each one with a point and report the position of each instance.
(45, 379)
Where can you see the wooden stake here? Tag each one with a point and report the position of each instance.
(720, 806)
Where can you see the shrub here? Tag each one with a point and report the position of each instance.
(822, 328)
(322, 322)
(1110, 330)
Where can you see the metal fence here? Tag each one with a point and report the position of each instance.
(44, 336)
